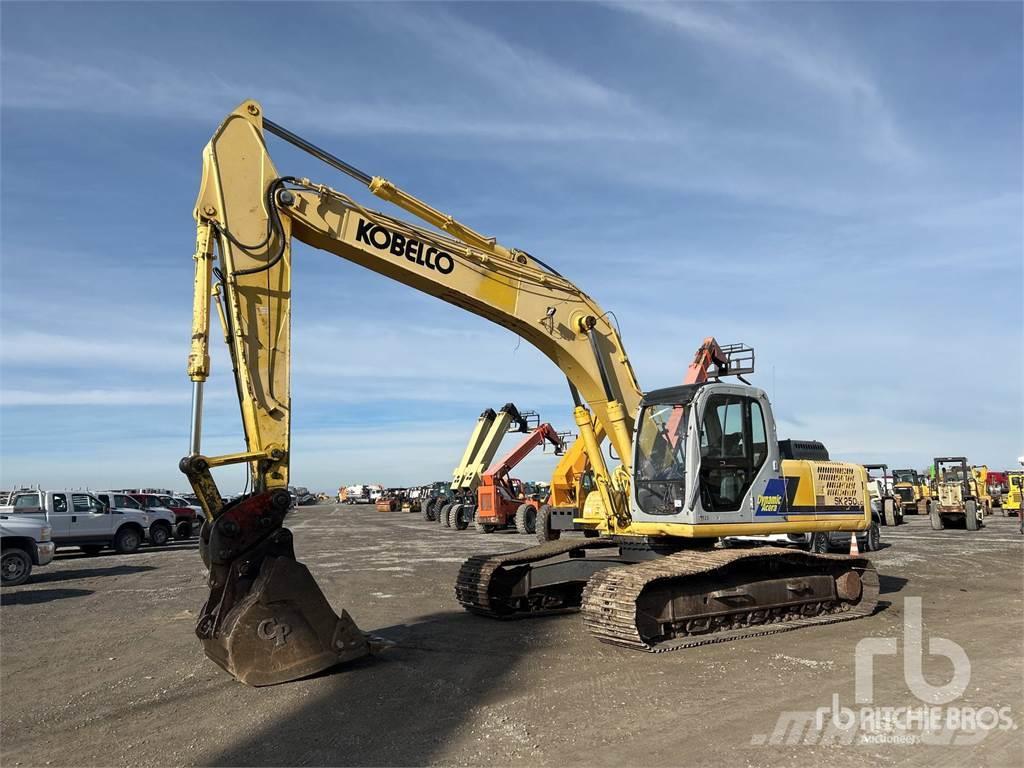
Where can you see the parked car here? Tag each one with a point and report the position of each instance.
(161, 521)
(184, 515)
(25, 541)
(181, 506)
(301, 497)
(183, 502)
(79, 519)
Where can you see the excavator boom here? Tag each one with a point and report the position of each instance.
(247, 213)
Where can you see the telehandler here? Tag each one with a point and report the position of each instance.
(696, 462)
(484, 441)
(501, 500)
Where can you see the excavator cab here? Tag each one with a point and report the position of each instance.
(701, 453)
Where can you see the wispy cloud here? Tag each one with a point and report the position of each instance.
(99, 397)
(520, 110)
(142, 350)
(751, 36)
(521, 73)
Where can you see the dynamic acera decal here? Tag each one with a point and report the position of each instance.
(383, 239)
(771, 503)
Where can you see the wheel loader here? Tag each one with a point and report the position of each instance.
(913, 490)
(693, 463)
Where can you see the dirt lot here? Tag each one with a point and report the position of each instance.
(100, 667)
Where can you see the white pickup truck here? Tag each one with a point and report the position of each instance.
(161, 520)
(79, 519)
(24, 542)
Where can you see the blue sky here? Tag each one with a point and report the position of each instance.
(838, 185)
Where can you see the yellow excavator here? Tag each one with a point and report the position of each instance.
(696, 462)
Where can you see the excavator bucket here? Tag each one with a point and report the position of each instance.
(266, 620)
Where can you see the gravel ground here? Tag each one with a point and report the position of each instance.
(99, 666)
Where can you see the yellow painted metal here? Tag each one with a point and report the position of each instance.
(919, 489)
(980, 474)
(795, 524)
(614, 504)
(241, 458)
(199, 354)
(485, 452)
(1012, 500)
(474, 272)
(468, 270)
(566, 490)
(483, 424)
(385, 190)
(538, 310)
(257, 306)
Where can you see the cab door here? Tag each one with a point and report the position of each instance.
(735, 437)
(89, 518)
(59, 516)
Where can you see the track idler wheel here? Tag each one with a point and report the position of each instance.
(266, 620)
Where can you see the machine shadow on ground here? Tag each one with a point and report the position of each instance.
(402, 707)
(36, 596)
(888, 585)
(44, 577)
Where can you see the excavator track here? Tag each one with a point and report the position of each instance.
(696, 598)
(478, 587)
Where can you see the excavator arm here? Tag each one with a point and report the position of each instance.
(251, 213)
(265, 620)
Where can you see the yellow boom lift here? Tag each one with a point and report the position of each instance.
(696, 461)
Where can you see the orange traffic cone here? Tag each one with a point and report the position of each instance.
(854, 549)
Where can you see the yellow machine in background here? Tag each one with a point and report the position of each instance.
(695, 462)
(958, 495)
(980, 473)
(913, 489)
(484, 441)
(1012, 501)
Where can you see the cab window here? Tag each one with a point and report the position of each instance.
(27, 501)
(661, 459)
(757, 436)
(733, 447)
(83, 502)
